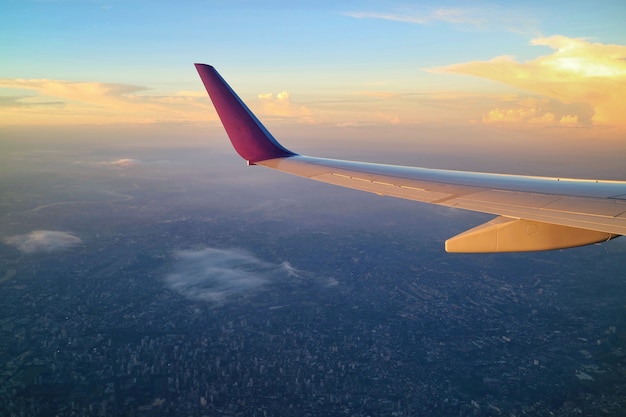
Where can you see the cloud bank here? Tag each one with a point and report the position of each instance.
(61, 102)
(44, 241)
(576, 72)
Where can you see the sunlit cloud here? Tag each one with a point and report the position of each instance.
(63, 102)
(117, 163)
(124, 162)
(529, 110)
(507, 115)
(577, 72)
(281, 106)
(43, 241)
(569, 120)
(9, 102)
(81, 91)
(380, 94)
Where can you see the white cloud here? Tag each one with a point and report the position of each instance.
(215, 275)
(453, 15)
(43, 241)
(509, 18)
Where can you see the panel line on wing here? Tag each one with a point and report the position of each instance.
(408, 187)
(585, 221)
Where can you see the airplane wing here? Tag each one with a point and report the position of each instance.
(533, 213)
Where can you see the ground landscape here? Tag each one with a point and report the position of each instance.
(163, 282)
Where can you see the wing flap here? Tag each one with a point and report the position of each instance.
(590, 220)
(513, 198)
(605, 207)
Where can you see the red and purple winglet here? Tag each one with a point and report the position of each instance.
(249, 137)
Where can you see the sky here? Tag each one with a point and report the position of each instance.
(555, 70)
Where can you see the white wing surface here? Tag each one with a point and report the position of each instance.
(533, 213)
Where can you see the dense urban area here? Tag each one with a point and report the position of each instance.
(159, 304)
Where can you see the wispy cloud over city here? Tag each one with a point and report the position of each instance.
(43, 241)
(215, 275)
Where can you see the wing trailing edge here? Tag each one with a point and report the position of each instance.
(533, 213)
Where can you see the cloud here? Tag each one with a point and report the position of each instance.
(281, 106)
(507, 115)
(62, 102)
(26, 101)
(546, 118)
(529, 110)
(124, 162)
(117, 163)
(452, 15)
(82, 91)
(569, 120)
(577, 72)
(43, 241)
(215, 275)
(511, 19)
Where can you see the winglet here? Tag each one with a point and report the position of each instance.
(249, 137)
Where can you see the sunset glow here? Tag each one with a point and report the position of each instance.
(578, 72)
(413, 71)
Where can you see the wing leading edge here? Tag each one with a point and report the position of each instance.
(533, 213)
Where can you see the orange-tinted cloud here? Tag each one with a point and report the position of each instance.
(530, 110)
(124, 162)
(66, 102)
(281, 106)
(577, 72)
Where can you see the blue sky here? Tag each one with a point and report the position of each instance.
(315, 62)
